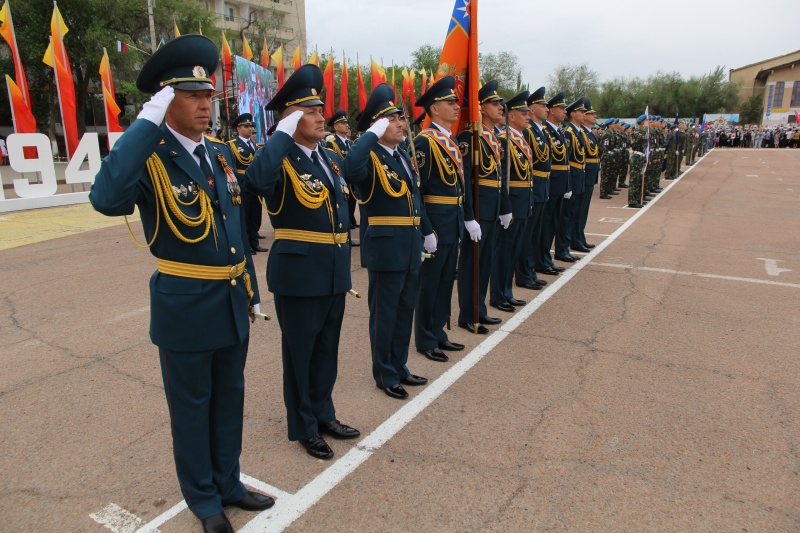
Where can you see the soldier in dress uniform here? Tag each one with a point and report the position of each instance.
(205, 283)
(244, 149)
(518, 166)
(493, 211)
(535, 136)
(340, 144)
(384, 179)
(592, 170)
(308, 269)
(576, 153)
(559, 183)
(441, 172)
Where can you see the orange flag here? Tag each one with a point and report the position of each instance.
(56, 57)
(227, 64)
(176, 30)
(314, 59)
(460, 59)
(277, 58)
(296, 61)
(18, 94)
(412, 98)
(265, 54)
(423, 87)
(344, 99)
(404, 91)
(111, 107)
(362, 91)
(247, 52)
(328, 81)
(378, 75)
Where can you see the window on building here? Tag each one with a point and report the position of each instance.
(795, 95)
(229, 13)
(777, 96)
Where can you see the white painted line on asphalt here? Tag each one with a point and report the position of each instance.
(130, 314)
(715, 162)
(293, 507)
(771, 266)
(698, 274)
(751, 175)
(152, 526)
(598, 234)
(117, 519)
(613, 220)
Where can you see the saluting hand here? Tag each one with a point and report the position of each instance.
(155, 109)
(288, 124)
(380, 126)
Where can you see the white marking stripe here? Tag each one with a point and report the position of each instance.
(263, 487)
(293, 507)
(117, 519)
(771, 266)
(598, 234)
(699, 274)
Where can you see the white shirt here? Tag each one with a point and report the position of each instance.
(247, 141)
(403, 159)
(309, 151)
(345, 140)
(190, 146)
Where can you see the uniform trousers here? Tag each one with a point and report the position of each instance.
(466, 271)
(510, 243)
(205, 396)
(524, 273)
(436, 276)
(579, 236)
(568, 223)
(550, 218)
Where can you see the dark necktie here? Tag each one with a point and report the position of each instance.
(250, 144)
(200, 151)
(320, 165)
(403, 171)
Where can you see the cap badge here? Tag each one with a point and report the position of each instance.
(199, 72)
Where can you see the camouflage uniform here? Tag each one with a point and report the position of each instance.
(623, 158)
(610, 142)
(672, 149)
(637, 162)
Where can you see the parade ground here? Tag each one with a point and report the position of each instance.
(653, 386)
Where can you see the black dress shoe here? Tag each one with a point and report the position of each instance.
(617, 189)
(532, 285)
(558, 268)
(253, 501)
(635, 206)
(623, 185)
(339, 431)
(316, 447)
(590, 246)
(262, 236)
(395, 391)
(413, 380)
(451, 346)
(658, 189)
(489, 320)
(503, 306)
(482, 330)
(549, 271)
(539, 282)
(515, 302)
(567, 258)
(614, 193)
(217, 523)
(253, 251)
(435, 354)
(605, 197)
(580, 248)
(259, 248)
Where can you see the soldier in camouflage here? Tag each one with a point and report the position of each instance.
(638, 145)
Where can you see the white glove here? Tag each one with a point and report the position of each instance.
(568, 195)
(380, 126)
(155, 108)
(429, 243)
(505, 220)
(474, 230)
(288, 125)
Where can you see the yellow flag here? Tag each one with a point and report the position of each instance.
(247, 53)
(177, 31)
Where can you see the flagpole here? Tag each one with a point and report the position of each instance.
(477, 126)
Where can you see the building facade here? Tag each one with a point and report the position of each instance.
(777, 80)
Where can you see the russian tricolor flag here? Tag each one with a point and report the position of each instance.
(122, 47)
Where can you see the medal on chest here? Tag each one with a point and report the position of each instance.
(233, 185)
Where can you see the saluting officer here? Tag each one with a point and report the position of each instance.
(340, 144)
(576, 152)
(385, 181)
(243, 150)
(205, 284)
(512, 238)
(309, 267)
(535, 136)
(441, 171)
(493, 206)
(592, 171)
(559, 183)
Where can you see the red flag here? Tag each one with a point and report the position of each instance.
(110, 103)
(362, 92)
(412, 98)
(227, 63)
(296, 61)
(328, 81)
(344, 99)
(277, 58)
(265, 54)
(377, 74)
(56, 57)
(460, 59)
(18, 93)
(406, 90)
(797, 117)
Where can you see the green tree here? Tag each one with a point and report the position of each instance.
(503, 67)
(750, 112)
(426, 57)
(575, 80)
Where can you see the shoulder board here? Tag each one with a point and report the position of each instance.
(213, 139)
(331, 150)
